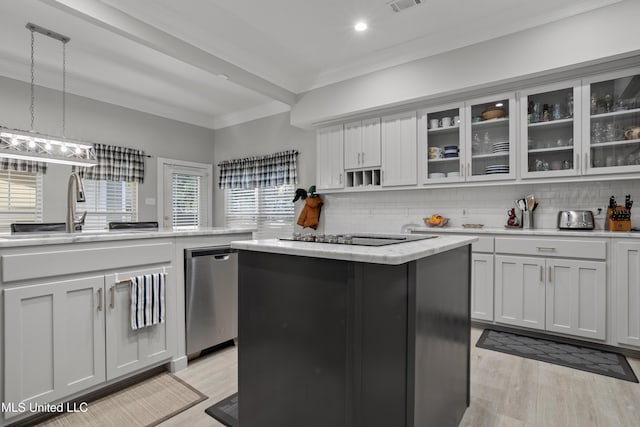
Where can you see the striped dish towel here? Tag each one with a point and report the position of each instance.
(147, 300)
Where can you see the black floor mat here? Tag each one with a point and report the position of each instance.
(573, 356)
(225, 411)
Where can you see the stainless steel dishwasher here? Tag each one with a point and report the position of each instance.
(211, 297)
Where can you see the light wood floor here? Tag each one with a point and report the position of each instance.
(506, 391)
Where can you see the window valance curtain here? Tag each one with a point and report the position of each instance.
(271, 170)
(22, 165)
(115, 164)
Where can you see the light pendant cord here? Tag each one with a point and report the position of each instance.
(64, 87)
(33, 94)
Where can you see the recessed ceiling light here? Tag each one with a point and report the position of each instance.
(499, 104)
(360, 26)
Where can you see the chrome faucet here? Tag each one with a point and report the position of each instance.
(72, 221)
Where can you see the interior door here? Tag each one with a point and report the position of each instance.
(186, 196)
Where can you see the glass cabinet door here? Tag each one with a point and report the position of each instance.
(612, 131)
(444, 140)
(490, 139)
(551, 130)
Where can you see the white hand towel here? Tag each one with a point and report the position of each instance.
(147, 300)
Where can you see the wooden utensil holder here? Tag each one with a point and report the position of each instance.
(617, 225)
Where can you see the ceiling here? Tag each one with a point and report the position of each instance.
(166, 57)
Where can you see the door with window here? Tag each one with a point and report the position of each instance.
(185, 193)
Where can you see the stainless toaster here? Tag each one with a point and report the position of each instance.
(576, 220)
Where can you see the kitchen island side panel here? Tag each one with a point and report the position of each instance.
(439, 313)
(292, 354)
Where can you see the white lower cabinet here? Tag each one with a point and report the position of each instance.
(129, 350)
(54, 340)
(63, 337)
(553, 294)
(628, 292)
(520, 291)
(482, 286)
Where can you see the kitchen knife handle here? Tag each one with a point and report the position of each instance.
(112, 296)
(541, 273)
(99, 299)
(550, 267)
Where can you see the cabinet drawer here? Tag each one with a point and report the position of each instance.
(484, 244)
(567, 248)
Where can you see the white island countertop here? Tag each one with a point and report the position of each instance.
(395, 254)
(8, 240)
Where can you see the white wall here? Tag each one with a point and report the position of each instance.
(387, 211)
(264, 136)
(593, 37)
(100, 122)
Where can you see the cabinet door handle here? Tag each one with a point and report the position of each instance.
(550, 267)
(112, 296)
(99, 299)
(469, 169)
(381, 176)
(541, 274)
(340, 179)
(578, 162)
(358, 158)
(363, 158)
(543, 249)
(586, 161)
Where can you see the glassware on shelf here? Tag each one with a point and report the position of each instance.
(570, 106)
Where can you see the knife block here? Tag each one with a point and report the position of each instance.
(617, 225)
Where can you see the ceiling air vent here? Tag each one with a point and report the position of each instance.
(398, 5)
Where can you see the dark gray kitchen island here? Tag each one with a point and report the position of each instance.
(338, 335)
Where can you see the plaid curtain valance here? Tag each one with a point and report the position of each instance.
(271, 170)
(115, 164)
(22, 165)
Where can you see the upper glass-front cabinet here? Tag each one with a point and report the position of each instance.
(612, 130)
(441, 134)
(490, 145)
(550, 130)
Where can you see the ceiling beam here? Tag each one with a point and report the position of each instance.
(118, 22)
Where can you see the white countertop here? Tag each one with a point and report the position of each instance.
(526, 232)
(395, 254)
(8, 240)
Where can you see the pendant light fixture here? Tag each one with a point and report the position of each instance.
(31, 145)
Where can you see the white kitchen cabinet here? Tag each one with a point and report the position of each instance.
(553, 294)
(54, 339)
(441, 132)
(520, 291)
(482, 286)
(399, 150)
(130, 350)
(611, 130)
(576, 297)
(362, 147)
(330, 158)
(490, 142)
(628, 292)
(550, 130)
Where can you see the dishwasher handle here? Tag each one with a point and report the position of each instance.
(221, 257)
(215, 251)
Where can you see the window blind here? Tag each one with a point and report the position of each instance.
(185, 200)
(269, 210)
(108, 201)
(20, 198)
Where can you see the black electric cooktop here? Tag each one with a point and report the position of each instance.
(376, 239)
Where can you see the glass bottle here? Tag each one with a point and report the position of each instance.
(570, 106)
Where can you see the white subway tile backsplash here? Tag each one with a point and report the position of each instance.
(387, 211)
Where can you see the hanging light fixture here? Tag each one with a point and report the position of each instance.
(31, 145)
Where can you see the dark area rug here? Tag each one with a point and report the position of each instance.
(573, 356)
(225, 411)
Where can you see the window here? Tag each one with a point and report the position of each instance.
(270, 210)
(185, 200)
(20, 197)
(108, 201)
